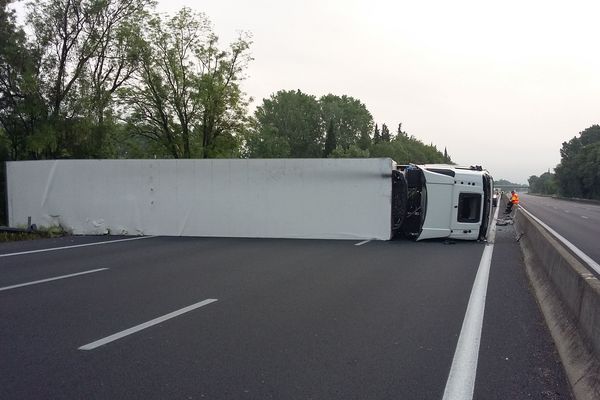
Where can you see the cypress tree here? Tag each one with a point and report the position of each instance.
(330, 139)
(385, 133)
(376, 135)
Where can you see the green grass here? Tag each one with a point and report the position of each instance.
(41, 233)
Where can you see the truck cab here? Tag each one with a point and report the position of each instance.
(441, 201)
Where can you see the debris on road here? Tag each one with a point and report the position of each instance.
(508, 220)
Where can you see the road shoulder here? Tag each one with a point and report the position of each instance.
(513, 323)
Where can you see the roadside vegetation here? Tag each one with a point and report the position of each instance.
(543, 184)
(114, 79)
(41, 233)
(578, 174)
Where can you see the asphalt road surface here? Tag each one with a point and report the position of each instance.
(577, 222)
(264, 319)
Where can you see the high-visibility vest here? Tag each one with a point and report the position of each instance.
(515, 199)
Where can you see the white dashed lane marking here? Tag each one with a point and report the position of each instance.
(461, 380)
(75, 246)
(52, 279)
(137, 328)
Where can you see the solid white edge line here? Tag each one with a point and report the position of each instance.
(137, 328)
(461, 379)
(584, 257)
(52, 279)
(363, 242)
(74, 246)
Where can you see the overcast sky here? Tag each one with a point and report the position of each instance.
(501, 84)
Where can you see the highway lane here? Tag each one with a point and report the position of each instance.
(293, 319)
(578, 222)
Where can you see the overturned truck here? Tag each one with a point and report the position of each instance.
(269, 198)
(441, 201)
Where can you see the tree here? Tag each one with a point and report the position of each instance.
(385, 133)
(66, 73)
(290, 122)
(112, 65)
(223, 102)
(179, 90)
(21, 105)
(352, 121)
(376, 135)
(186, 95)
(534, 184)
(578, 174)
(399, 131)
(74, 42)
(588, 169)
(265, 142)
(548, 183)
(330, 139)
(164, 95)
(351, 152)
(447, 159)
(544, 184)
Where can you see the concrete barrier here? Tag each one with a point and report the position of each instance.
(569, 296)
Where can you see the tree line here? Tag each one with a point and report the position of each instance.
(578, 174)
(114, 79)
(297, 124)
(110, 78)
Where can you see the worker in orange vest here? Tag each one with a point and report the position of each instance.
(514, 199)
